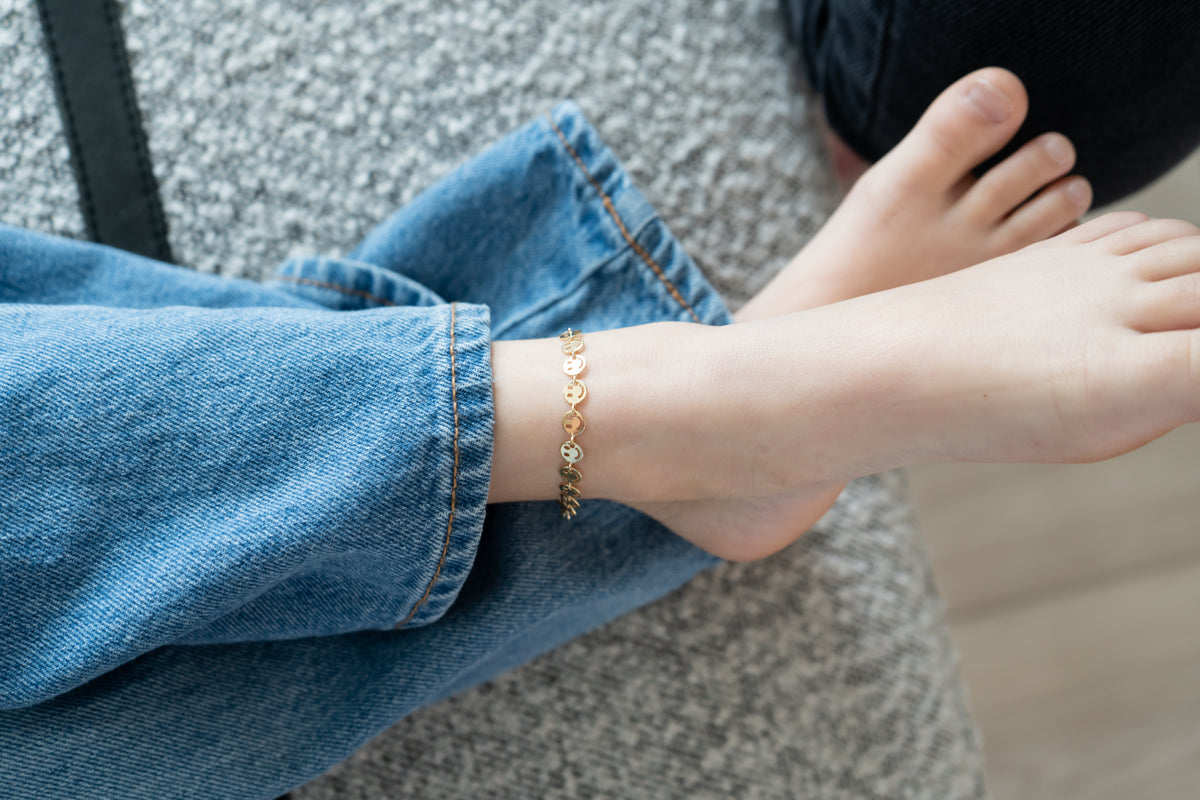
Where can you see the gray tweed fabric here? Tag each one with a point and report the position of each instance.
(280, 128)
(37, 188)
(286, 128)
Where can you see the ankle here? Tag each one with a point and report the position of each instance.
(785, 407)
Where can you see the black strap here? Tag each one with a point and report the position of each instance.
(117, 191)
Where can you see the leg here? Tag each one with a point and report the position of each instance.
(1118, 77)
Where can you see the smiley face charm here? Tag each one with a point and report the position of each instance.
(574, 365)
(571, 452)
(570, 474)
(573, 422)
(572, 346)
(575, 391)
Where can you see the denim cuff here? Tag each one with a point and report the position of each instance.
(467, 403)
(632, 231)
(237, 464)
(462, 358)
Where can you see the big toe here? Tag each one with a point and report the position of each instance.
(967, 123)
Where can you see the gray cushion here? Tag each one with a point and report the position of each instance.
(825, 671)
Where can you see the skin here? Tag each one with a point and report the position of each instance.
(920, 213)
(738, 438)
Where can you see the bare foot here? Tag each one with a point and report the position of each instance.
(1075, 349)
(919, 212)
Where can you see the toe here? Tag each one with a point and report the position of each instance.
(1147, 234)
(1170, 305)
(1051, 210)
(966, 124)
(1170, 362)
(1014, 180)
(1169, 259)
(1102, 226)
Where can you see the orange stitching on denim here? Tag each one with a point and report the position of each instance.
(336, 288)
(608, 204)
(453, 480)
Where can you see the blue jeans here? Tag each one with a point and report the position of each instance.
(244, 525)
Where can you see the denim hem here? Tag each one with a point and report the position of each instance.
(705, 304)
(344, 284)
(468, 386)
(611, 173)
(632, 224)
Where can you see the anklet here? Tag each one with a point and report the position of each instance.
(572, 422)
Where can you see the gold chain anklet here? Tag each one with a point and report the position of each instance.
(572, 422)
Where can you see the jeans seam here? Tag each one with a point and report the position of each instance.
(612, 211)
(453, 480)
(337, 288)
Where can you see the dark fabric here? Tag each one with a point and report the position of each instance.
(1121, 78)
(117, 191)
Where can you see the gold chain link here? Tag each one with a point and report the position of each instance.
(573, 422)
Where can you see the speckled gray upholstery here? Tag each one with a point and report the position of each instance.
(279, 128)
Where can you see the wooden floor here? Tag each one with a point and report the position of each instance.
(1074, 600)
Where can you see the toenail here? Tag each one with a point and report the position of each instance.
(1059, 149)
(1079, 192)
(989, 101)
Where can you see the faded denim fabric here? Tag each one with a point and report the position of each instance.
(244, 525)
